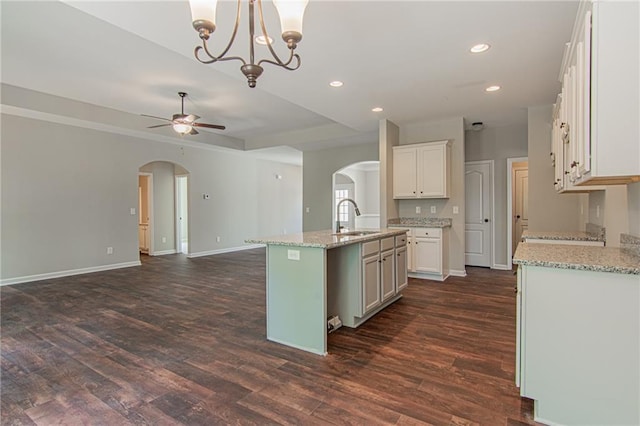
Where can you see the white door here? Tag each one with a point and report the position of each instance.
(521, 205)
(478, 205)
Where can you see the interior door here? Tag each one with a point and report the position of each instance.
(478, 205)
(521, 205)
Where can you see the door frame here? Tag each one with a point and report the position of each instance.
(150, 209)
(510, 188)
(492, 204)
(177, 216)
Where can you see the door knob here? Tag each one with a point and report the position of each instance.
(486, 220)
(518, 216)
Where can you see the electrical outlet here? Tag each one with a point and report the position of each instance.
(293, 254)
(418, 210)
(433, 209)
(164, 239)
(217, 239)
(307, 209)
(109, 250)
(456, 210)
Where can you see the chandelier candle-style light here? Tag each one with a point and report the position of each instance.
(203, 13)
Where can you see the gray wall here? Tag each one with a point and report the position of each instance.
(317, 182)
(452, 129)
(614, 209)
(67, 192)
(498, 144)
(548, 210)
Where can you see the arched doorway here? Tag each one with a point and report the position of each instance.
(163, 192)
(361, 182)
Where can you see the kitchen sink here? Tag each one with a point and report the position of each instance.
(355, 233)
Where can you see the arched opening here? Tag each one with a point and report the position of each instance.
(163, 206)
(360, 182)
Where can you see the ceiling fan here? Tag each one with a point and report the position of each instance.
(182, 123)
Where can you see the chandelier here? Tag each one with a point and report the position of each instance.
(203, 13)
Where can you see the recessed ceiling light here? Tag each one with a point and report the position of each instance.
(479, 48)
(262, 40)
(492, 88)
(377, 109)
(336, 83)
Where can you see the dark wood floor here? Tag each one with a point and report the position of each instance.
(182, 341)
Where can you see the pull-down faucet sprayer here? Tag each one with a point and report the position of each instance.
(355, 206)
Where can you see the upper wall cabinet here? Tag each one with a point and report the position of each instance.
(421, 170)
(596, 133)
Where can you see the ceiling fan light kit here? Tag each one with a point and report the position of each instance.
(184, 123)
(291, 12)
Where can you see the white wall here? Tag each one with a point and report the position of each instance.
(318, 169)
(498, 144)
(67, 193)
(452, 129)
(548, 210)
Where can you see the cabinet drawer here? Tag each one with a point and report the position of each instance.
(386, 243)
(370, 247)
(401, 240)
(427, 232)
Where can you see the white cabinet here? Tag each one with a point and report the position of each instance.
(421, 170)
(597, 115)
(401, 263)
(427, 253)
(578, 345)
(378, 273)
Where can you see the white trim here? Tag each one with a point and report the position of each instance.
(224, 250)
(67, 273)
(163, 252)
(501, 267)
(457, 273)
(492, 185)
(293, 345)
(510, 162)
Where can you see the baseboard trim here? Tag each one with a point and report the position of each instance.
(224, 250)
(501, 267)
(67, 273)
(163, 252)
(457, 273)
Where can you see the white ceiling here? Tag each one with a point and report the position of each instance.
(409, 57)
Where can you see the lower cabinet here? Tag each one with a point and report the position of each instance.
(427, 253)
(370, 283)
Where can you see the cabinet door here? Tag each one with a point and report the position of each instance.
(387, 275)
(370, 283)
(404, 173)
(410, 256)
(432, 179)
(428, 255)
(402, 281)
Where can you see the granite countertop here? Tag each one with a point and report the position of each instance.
(558, 235)
(325, 239)
(421, 222)
(586, 258)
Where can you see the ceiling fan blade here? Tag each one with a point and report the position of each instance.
(193, 132)
(191, 118)
(153, 116)
(159, 125)
(209, 126)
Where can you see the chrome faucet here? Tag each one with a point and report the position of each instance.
(355, 206)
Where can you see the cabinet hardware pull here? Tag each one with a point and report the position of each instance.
(515, 289)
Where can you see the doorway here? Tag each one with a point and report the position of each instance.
(518, 202)
(479, 218)
(360, 182)
(182, 216)
(145, 211)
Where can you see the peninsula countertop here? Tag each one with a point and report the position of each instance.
(326, 239)
(586, 258)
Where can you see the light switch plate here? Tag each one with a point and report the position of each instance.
(433, 209)
(418, 210)
(456, 210)
(132, 211)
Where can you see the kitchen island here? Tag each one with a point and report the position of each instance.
(314, 276)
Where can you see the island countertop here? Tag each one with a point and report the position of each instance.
(326, 239)
(586, 258)
(562, 235)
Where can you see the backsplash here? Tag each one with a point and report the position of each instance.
(630, 243)
(597, 231)
(421, 221)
